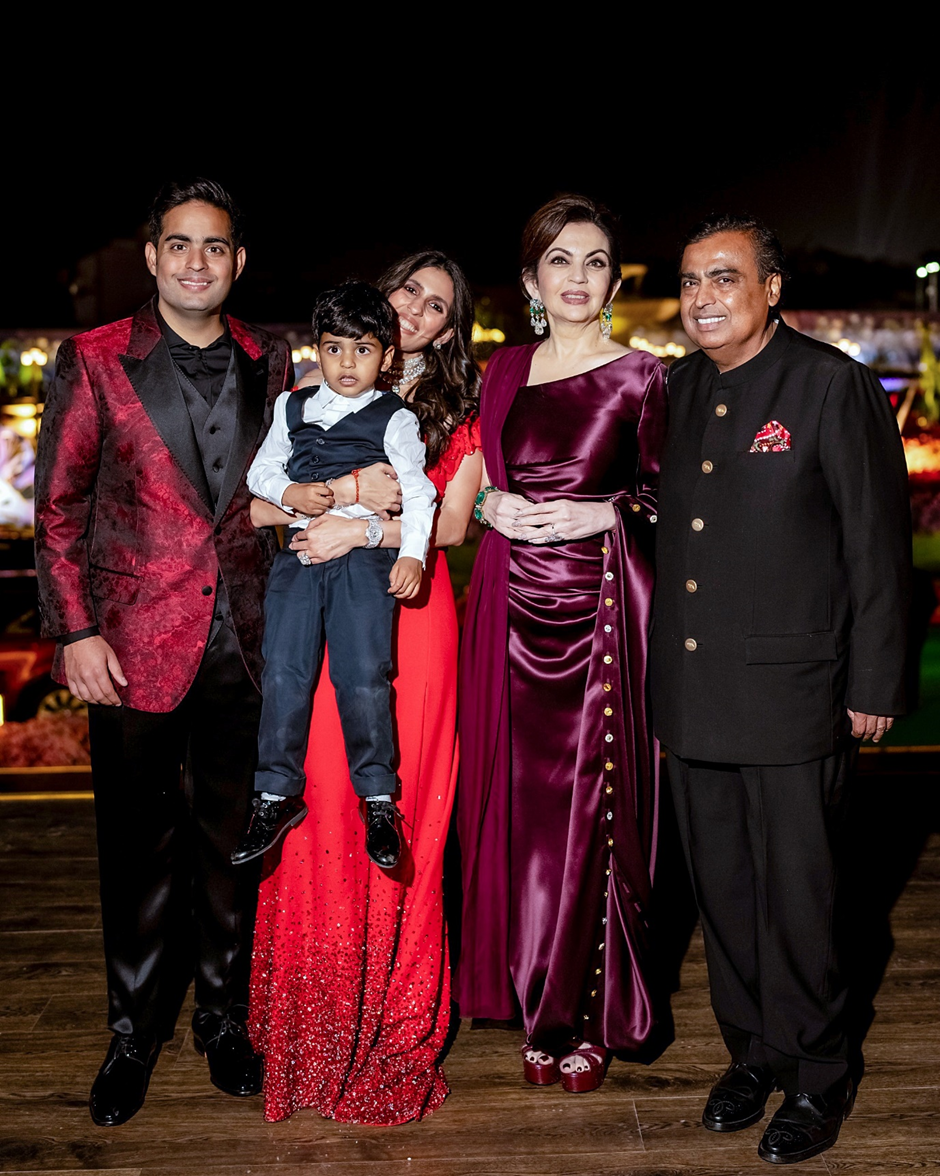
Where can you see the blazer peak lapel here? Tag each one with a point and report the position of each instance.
(252, 377)
(156, 384)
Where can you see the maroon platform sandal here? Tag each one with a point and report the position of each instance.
(538, 1071)
(582, 1081)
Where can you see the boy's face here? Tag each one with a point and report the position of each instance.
(351, 366)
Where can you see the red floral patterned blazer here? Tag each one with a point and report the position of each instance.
(127, 538)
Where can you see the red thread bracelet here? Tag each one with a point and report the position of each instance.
(355, 474)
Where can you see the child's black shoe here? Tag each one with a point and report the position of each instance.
(383, 842)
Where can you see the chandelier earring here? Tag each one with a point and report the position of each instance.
(607, 319)
(537, 318)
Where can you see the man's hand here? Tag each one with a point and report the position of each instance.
(310, 498)
(870, 726)
(91, 669)
(405, 578)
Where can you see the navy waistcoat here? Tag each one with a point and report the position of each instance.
(357, 440)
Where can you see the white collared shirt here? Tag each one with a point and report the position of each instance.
(268, 477)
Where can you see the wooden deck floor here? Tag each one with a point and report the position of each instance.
(644, 1121)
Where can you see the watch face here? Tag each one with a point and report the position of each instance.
(374, 533)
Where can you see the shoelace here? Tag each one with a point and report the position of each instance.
(226, 1025)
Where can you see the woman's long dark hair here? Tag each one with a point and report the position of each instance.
(448, 392)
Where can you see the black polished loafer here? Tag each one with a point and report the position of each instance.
(738, 1098)
(121, 1086)
(269, 821)
(234, 1067)
(806, 1124)
(383, 843)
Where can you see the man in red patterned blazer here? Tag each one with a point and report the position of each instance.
(152, 579)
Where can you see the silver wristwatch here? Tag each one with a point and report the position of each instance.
(374, 534)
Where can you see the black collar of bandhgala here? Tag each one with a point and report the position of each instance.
(762, 361)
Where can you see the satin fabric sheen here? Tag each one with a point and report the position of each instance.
(559, 848)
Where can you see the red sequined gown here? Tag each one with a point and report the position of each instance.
(350, 985)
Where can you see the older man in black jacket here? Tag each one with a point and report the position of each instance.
(778, 642)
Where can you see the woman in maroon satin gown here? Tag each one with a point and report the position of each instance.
(558, 789)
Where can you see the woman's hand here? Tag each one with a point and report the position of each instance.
(329, 537)
(502, 509)
(562, 520)
(379, 491)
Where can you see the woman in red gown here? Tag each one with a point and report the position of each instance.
(350, 977)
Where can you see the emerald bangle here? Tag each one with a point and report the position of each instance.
(478, 504)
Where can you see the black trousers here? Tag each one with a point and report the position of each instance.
(760, 844)
(346, 604)
(172, 793)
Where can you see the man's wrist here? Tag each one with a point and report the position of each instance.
(78, 635)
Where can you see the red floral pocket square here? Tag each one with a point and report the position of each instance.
(771, 438)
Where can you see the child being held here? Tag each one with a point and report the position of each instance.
(318, 434)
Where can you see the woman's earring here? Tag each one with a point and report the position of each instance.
(537, 315)
(607, 319)
(438, 344)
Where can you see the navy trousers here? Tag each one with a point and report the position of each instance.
(346, 603)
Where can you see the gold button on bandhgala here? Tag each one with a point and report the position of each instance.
(607, 659)
(608, 710)
(635, 507)
(707, 467)
(604, 550)
(610, 842)
(691, 586)
(697, 525)
(691, 644)
(610, 767)
(608, 600)
(721, 410)
(593, 992)
(607, 686)
(609, 787)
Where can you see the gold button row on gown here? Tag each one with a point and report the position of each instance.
(608, 764)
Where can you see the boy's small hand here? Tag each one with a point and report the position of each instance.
(310, 498)
(405, 578)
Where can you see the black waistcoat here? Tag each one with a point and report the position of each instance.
(214, 427)
(355, 441)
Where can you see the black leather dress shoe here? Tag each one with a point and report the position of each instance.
(234, 1067)
(383, 843)
(806, 1124)
(738, 1098)
(121, 1086)
(269, 821)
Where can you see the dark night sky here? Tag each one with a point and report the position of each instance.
(853, 169)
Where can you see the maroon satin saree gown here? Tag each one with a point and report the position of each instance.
(559, 775)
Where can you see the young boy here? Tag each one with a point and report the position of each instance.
(318, 434)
